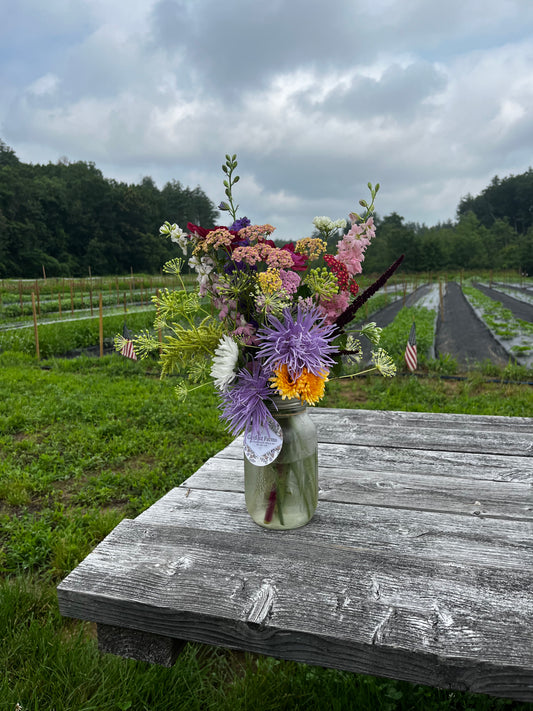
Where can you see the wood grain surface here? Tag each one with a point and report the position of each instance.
(417, 565)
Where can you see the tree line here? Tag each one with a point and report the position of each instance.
(67, 218)
(493, 230)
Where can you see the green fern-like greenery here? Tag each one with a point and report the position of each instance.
(183, 345)
(172, 305)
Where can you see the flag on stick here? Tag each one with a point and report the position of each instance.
(127, 348)
(410, 350)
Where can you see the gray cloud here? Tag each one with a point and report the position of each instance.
(429, 99)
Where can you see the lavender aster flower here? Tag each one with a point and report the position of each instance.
(300, 343)
(243, 404)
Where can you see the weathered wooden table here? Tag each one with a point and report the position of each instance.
(418, 564)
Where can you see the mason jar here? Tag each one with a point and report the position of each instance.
(283, 494)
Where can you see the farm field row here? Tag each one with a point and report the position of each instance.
(487, 329)
(469, 325)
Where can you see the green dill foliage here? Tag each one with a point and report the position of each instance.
(184, 346)
(184, 333)
(173, 305)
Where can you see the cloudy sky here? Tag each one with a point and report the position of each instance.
(316, 97)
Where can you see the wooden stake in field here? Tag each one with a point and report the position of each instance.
(59, 302)
(35, 329)
(38, 297)
(441, 301)
(91, 294)
(71, 298)
(125, 307)
(20, 298)
(101, 325)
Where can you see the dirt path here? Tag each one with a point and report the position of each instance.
(519, 309)
(461, 334)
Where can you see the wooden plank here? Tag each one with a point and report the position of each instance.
(442, 537)
(437, 420)
(518, 443)
(467, 465)
(425, 491)
(358, 609)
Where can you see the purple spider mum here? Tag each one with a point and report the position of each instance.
(300, 343)
(243, 404)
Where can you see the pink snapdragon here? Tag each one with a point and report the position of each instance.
(351, 248)
(333, 307)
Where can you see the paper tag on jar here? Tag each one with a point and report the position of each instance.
(264, 446)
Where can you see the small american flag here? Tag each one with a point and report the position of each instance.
(127, 348)
(410, 350)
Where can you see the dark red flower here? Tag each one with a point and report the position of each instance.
(299, 261)
(354, 287)
(197, 230)
(340, 271)
(203, 231)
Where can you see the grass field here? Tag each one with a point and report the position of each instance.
(88, 441)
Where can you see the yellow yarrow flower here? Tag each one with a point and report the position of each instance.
(312, 246)
(270, 281)
(308, 387)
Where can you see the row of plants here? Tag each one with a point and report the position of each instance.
(501, 321)
(17, 307)
(62, 337)
(10, 288)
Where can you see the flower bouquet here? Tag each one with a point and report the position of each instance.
(267, 326)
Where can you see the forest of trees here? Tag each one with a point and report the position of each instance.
(493, 230)
(67, 218)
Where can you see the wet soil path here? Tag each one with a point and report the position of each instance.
(461, 333)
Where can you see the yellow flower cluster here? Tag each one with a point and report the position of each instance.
(312, 246)
(307, 387)
(270, 281)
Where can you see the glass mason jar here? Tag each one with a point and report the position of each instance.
(284, 494)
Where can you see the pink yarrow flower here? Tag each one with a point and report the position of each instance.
(290, 281)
